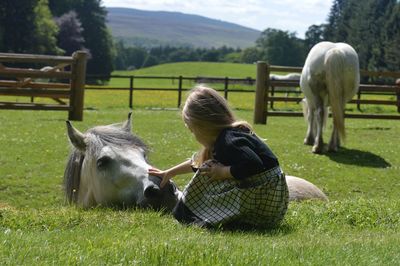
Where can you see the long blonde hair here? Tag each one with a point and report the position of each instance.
(207, 111)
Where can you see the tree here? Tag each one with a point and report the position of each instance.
(314, 35)
(135, 57)
(281, 47)
(45, 30)
(3, 12)
(26, 26)
(360, 35)
(365, 26)
(183, 55)
(380, 11)
(334, 19)
(129, 57)
(96, 35)
(392, 38)
(150, 61)
(16, 21)
(234, 57)
(70, 36)
(251, 55)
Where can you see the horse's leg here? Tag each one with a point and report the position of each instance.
(309, 112)
(318, 141)
(334, 143)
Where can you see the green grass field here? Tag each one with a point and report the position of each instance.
(360, 224)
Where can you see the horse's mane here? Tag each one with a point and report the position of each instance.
(96, 138)
(113, 135)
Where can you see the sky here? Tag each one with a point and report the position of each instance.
(287, 15)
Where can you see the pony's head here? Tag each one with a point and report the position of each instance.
(108, 166)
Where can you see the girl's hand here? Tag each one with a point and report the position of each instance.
(165, 175)
(215, 170)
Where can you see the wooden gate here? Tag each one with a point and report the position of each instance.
(61, 78)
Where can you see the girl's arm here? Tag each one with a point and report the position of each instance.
(166, 175)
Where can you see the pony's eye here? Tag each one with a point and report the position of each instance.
(103, 161)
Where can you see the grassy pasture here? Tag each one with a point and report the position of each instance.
(360, 224)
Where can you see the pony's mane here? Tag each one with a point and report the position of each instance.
(113, 135)
(96, 138)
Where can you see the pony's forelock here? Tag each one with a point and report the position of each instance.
(112, 135)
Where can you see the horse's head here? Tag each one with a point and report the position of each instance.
(108, 166)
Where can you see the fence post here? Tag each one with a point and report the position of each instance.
(180, 91)
(271, 104)
(260, 106)
(78, 70)
(398, 95)
(266, 93)
(226, 88)
(131, 91)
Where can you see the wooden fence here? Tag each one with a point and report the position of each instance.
(62, 78)
(178, 80)
(265, 98)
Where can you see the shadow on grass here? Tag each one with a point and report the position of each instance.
(376, 128)
(357, 157)
(283, 229)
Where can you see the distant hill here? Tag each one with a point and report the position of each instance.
(154, 28)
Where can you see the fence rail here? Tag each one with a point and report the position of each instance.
(265, 93)
(227, 81)
(248, 81)
(23, 81)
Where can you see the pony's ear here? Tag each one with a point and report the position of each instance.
(77, 138)
(127, 126)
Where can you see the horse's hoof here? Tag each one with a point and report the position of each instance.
(333, 148)
(317, 149)
(308, 141)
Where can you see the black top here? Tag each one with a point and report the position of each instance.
(244, 152)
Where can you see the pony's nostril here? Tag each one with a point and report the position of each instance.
(103, 161)
(172, 188)
(152, 192)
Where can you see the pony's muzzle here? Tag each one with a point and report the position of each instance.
(152, 191)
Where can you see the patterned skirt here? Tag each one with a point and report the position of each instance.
(260, 200)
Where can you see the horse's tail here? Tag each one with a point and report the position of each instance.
(335, 65)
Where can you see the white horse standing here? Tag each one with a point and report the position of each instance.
(330, 77)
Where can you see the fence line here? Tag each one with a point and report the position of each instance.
(263, 97)
(179, 89)
(267, 83)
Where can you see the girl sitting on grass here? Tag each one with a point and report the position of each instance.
(237, 178)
